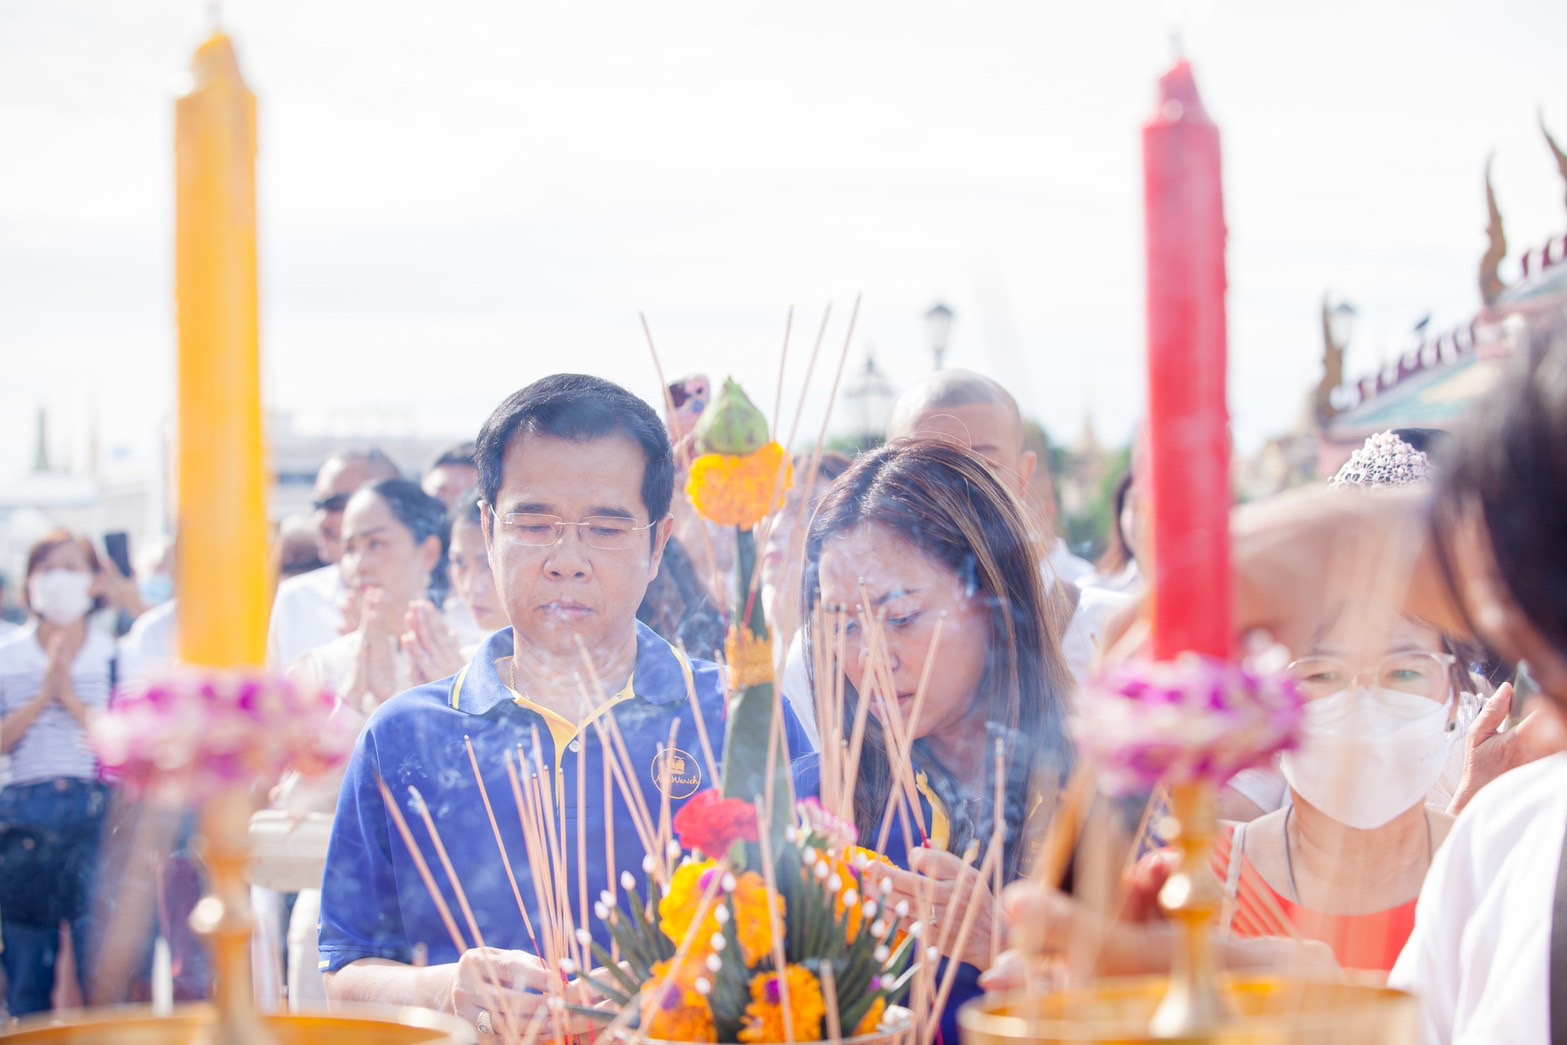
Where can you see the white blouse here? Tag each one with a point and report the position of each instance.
(1479, 957)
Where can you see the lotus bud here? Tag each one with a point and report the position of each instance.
(731, 424)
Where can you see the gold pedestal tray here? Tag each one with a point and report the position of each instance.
(196, 1024)
(1265, 1011)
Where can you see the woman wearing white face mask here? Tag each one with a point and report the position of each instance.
(53, 673)
(1344, 860)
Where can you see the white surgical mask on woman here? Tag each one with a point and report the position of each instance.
(1368, 755)
(62, 597)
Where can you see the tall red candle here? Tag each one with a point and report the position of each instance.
(1188, 421)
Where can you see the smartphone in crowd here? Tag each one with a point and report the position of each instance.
(117, 546)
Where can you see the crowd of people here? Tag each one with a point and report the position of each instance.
(1415, 833)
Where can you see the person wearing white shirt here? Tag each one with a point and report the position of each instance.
(1068, 567)
(1479, 956)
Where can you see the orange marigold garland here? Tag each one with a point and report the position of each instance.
(678, 1012)
(740, 490)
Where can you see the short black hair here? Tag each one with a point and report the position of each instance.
(459, 455)
(578, 408)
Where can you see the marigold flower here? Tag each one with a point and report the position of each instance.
(872, 1021)
(713, 824)
(765, 1016)
(677, 911)
(673, 1010)
(753, 923)
(740, 491)
(750, 657)
(850, 869)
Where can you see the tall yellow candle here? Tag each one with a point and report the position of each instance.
(222, 520)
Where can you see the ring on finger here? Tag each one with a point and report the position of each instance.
(482, 1022)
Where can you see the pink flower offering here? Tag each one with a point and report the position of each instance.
(1193, 719)
(198, 732)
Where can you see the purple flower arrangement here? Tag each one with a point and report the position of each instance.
(197, 733)
(1194, 719)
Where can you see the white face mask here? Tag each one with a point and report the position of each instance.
(61, 597)
(1368, 755)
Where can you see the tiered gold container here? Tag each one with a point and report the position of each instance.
(1264, 1011)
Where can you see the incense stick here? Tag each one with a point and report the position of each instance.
(682, 448)
(780, 967)
(500, 843)
(830, 995)
(689, 678)
(783, 359)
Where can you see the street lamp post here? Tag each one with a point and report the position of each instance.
(938, 321)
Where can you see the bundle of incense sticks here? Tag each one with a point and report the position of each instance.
(845, 718)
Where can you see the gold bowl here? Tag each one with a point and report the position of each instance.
(1264, 1011)
(196, 1024)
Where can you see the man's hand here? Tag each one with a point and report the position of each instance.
(1492, 751)
(504, 994)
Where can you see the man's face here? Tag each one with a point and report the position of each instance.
(447, 482)
(990, 431)
(335, 483)
(555, 595)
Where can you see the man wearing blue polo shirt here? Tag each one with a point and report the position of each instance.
(577, 476)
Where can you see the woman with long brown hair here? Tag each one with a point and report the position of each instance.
(919, 537)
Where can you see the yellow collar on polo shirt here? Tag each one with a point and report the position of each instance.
(562, 729)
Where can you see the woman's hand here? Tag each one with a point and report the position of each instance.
(1491, 751)
(57, 685)
(119, 590)
(353, 610)
(373, 680)
(433, 652)
(953, 891)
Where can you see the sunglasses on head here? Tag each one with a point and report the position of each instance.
(336, 503)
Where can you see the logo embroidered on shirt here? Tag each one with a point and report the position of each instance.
(676, 773)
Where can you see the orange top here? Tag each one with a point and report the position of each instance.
(1362, 942)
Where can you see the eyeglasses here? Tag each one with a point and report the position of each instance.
(336, 503)
(609, 533)
(1418, 672)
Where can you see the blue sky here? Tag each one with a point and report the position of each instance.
(459, 197)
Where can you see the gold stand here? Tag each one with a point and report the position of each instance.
(1192, 1007)
(224, 918)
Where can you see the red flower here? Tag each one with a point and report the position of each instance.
(713, 824)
